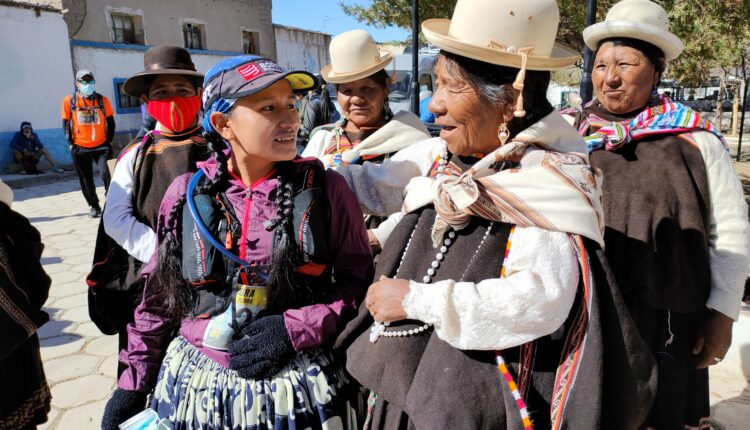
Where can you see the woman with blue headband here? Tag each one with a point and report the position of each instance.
(249, 246)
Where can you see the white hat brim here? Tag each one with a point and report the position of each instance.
(670, 44)
(341, 78)
(436, 31)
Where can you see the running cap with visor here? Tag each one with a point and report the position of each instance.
(237, 77)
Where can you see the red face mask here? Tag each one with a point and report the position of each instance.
(175, 113)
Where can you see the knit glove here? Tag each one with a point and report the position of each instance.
(123, 405)
(264, 350)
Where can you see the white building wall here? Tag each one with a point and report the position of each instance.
(298, 49)
(35, 75)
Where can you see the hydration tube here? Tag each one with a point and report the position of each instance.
(202, 229)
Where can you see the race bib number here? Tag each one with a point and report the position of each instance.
(88, 116)
(249, 301)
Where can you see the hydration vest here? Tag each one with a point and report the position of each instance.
(214, 274)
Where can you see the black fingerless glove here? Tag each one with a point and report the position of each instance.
(264, 350)
(123, 405)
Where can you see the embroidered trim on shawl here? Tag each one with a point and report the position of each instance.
(38, 401)
(160, 145)
(573, 350)
(7, 304)
(526, 363)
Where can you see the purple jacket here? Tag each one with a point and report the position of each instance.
(310, 326)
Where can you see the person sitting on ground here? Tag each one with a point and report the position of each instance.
(28, 149)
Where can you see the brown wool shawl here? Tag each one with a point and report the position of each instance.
(161, 158)
(657, 215)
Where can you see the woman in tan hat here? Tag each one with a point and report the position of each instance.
(677, 230)
(490, 297)
(368, 131)
(171, 87)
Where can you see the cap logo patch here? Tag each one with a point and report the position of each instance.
(269, 66)
(250, 71)
(207, 92)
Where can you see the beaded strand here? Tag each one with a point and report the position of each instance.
(378, 329)
(503, 368)
(525, 417)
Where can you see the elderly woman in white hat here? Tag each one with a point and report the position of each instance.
(676, 219)
(491, 295)
(368, 131)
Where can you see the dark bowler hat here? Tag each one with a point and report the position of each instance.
(162, 60)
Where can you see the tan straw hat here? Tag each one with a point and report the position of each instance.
(503, 32)
(511, 33)
(354, 55)
(636, 19)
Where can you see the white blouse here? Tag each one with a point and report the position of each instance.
(531, 301)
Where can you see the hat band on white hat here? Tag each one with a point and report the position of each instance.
(518, 84)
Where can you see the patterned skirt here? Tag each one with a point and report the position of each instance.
(195, 392)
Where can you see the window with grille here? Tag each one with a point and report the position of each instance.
(123, 28)
(193, 35)
(250, 43)
(125, 101)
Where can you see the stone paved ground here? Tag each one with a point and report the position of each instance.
(80, 362)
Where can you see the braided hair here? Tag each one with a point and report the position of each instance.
(285, 289)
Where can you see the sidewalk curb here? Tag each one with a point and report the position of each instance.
(18, 181)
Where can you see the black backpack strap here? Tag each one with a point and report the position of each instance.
(98, 102)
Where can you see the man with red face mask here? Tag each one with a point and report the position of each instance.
(169, 85)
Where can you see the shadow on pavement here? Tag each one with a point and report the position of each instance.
(51, 260)
(51, 334)
(734, 410)
(35, 190)
(39, 219)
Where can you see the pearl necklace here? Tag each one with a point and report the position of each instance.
(379, 328)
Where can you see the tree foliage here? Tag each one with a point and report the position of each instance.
(716, 33)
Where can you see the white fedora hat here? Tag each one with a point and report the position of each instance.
(636, 19)
(502, 32)
(354, 55)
